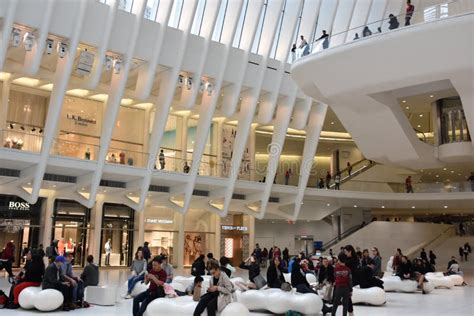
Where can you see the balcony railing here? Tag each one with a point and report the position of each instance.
(21, 140)
(74, 149)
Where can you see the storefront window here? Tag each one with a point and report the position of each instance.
(161, 232)
(234, 241)
(199, 234)
(117, 235)
(19, 223)
(71, 229)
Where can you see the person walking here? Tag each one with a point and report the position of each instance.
(432, 258)
(342, 286)
(409, 12)
(337, 181)
(467, 250)
(408, 185)
(349, 166)
(287, 176)
(162, 159)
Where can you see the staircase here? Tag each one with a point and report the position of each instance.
(357, 168)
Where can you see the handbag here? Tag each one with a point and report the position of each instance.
(285, 286)
(259, 281)
(328, 290)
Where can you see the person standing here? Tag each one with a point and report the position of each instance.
(257, 253)
(286, 255)
(409, 12)
(408, 185)
(321, 183)
(162, 159)
(287, 176)
(328, 179)
(467, 250)
(349, 168)
(8, 257)
(186, 167)
(293, 52)
(393, 22)
(146, 251)
(432, 258)
(462, 232)
(377, 262)
(423, 255)
(337, 181)
(108, 250)
(304, 47)
(342, 286)
(156, 278)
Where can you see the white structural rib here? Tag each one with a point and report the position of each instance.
(112, 105)
(60, 82)
(8, 19)
(313, 131)
(33, 57)
(359, 17)
(209, 102)
(250, 100)
(146, 75)
(91, 81)
(165, 97)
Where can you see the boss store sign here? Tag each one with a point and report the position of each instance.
(13, 206)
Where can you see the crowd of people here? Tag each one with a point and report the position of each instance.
(50, 272)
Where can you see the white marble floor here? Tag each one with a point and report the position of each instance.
(458, 301)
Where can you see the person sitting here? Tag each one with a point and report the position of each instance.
(156, 278)
(326, 272)
(366, 259)
(253, 267)
(219, 293)
(366, 31)
(226, 267)
(210, 259)
(76, 282)
(31, 275)
(168, 268)
(90, 274)
(419, 271)
(54, 279)
(453, 267)
(198, 267)
(298, 278)
(138, 268)
(275, 277)
(405, 269)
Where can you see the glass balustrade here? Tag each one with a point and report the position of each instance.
(21, 140)
(74, 149)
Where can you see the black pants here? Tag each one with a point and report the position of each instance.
(336, 186)
(7, 265)
(341, 294)
(209, 301)
(407, 20)
(146, 298)
(303, 288)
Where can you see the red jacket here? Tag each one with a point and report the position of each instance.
(8, 252)
(342, 276)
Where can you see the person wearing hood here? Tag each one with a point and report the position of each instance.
(90, 274)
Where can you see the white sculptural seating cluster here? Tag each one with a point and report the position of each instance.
(43, 300)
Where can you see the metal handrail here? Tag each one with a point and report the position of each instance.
(345, 234)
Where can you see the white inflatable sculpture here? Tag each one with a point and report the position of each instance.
(48, 300)
(139, 287)
(184, 306)
(311, 278)
(458, 280)
(26, 298)
(371, 296)
(43, 300)
(101, 295)
(279, 302)
(439, 280)
(395, 284)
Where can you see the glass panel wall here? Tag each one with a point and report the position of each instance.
(453, 124)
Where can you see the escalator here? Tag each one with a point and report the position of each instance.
(356, 169)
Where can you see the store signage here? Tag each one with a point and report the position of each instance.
(79, 120)
(158, 221)
(86, 61)
(236, 228)
(18, 206)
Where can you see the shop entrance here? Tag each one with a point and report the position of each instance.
(19, 223)
(71, 229)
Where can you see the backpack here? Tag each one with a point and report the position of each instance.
(3, 299)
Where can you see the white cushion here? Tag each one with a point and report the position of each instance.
(26, 298)
(48, 300)
(439, 280)
(179, 306)
(395, 284)
(371, 296)
(279, 302)
(428, 287)
(457, 279)
(234, 309)
(101, 295)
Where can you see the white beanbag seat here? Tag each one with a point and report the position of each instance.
(371, 296)
(27, 296)
(140, 287)
(279, 302)
(440, 281)
(234, 309)
(457, 279)
(428, 287)
(179, 306)
(48, 300)
(395, 284)
(311, 278)
(101, 295)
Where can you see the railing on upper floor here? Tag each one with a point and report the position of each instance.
(21, 140)
(74, 149)
(430, 13)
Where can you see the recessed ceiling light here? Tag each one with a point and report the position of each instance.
(29, 183)
(421, 170)
(355, 205)
(332, 123)
(445, 169)
(407, 107)
(437, 176)
(82, 189)
(105, 191)
(445, 206)
(383, 206)
(421, 115)
(54, 185)
(404, 101)
(452, 171)
(413, 206)
(431, 96)
(418, 126)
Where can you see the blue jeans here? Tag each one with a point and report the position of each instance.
(134, 280)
